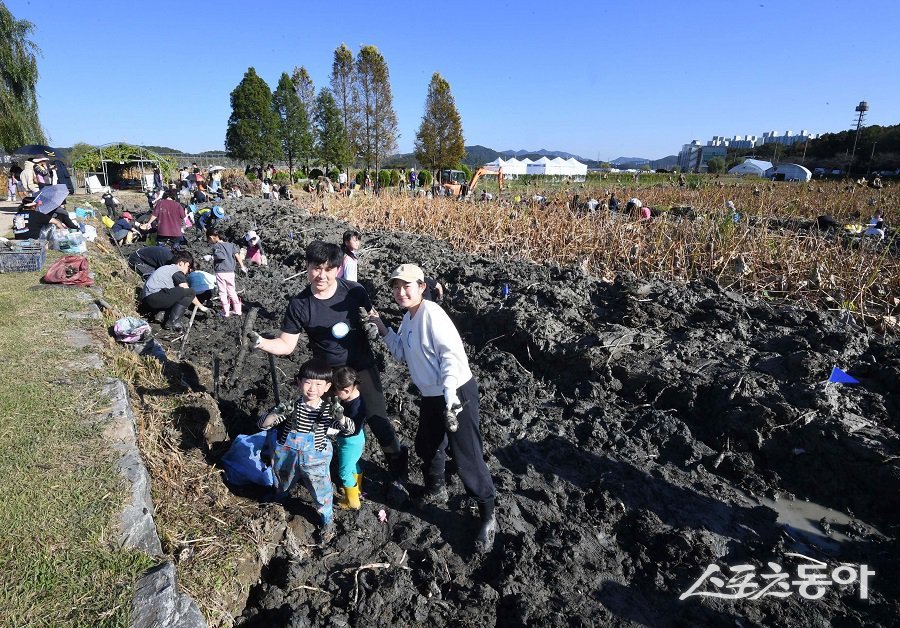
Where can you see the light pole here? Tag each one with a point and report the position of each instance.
(871, 157)
(861, 110)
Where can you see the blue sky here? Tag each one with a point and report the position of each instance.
(599, 79)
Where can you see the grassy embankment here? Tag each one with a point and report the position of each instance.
(60, 493)
(203, 527)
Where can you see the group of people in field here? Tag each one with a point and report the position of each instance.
(339, 391)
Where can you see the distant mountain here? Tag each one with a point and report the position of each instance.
(541, 153)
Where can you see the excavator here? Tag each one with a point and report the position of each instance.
(454, 181)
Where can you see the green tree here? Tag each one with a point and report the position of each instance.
(332, 143)
(306, 91)
(715, 165)
(19, 121)
(79, 150)
(293, 123)
(439, 140)
(342, 87)
(252, 133)
(378, 128)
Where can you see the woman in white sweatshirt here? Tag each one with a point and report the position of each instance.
(429, 343)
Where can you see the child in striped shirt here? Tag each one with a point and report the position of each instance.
(298, 447)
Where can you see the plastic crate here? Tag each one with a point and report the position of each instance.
(23, 257)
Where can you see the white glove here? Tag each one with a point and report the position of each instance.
(203, 308)
(208, 258)
(453, 403)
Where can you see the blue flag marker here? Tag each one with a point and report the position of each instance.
(840, 377)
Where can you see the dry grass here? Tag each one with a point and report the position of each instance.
(203, 527)
(768, 258)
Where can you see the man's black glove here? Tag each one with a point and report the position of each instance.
(254, 339)
(368, 325)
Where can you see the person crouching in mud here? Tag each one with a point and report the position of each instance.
(429, 343)
(328, 311)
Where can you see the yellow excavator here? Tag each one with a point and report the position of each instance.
(452, 181)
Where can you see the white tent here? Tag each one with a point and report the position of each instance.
(510, 166)
(576, 168)
(789, 172)
(540, 166)
(751, 167)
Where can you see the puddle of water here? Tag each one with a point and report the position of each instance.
(815, 524)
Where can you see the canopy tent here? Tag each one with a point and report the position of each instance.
(558, 167)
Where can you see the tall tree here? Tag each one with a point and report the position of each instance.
(378, 129)
(293, 123)
(252, 133)
(439, 140)
(332, 143)
(19, 122)
(342, 87)
(306, 91)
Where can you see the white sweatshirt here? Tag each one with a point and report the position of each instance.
(432, 349)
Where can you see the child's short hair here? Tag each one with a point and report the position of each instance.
(314, 369)
(213, 232)
(350, 233)
(344, 377)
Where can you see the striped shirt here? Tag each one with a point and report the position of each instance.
(303, 418)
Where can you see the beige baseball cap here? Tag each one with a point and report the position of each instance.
(407, 273)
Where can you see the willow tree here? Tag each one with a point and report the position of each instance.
(439, 140)
(19, 121)
(378, 122)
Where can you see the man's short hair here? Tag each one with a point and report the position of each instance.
(319, 252)
(183, 256)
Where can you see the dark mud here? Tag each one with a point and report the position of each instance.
(629, 428)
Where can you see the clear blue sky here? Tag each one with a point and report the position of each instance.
(599, 79)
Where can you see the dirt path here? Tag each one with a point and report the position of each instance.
(631, 429)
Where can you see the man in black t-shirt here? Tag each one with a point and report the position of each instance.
(328, 311)
(147, 259)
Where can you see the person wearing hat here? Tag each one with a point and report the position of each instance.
(124, 230)
(254, 252)
(28, 178)
(168, 214)
(429, 343)
(28, 221)
(328, 310)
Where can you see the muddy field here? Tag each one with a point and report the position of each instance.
(637, 432)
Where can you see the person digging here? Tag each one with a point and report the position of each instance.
(328, 312)
(168, 289)
(430, 344)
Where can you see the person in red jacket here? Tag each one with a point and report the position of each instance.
(168, 214)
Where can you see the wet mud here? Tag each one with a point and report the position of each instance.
(631, 429)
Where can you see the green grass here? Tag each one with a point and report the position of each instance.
(60, 493)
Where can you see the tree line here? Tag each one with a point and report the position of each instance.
(350, 122)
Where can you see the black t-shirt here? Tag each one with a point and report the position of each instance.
(27, 224)
(338, 345)
(155, 256)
